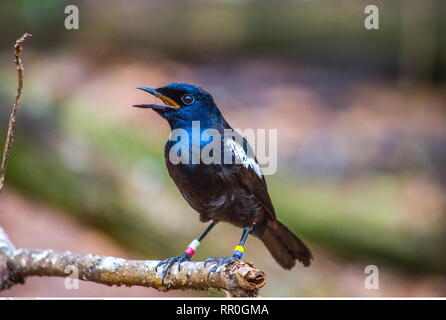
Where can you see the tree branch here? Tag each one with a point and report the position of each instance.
(11, 125)
(238, 279)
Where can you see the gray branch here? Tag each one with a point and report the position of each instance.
(238, 279)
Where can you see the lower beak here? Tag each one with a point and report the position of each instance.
(169, 103)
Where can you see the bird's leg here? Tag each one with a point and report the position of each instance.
(237, 254)
(188, 253)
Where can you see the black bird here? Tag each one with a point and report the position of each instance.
(233, 192)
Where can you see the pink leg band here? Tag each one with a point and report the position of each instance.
(189, 251)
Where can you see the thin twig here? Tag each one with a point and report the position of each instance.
(18, 47)
(239, 279)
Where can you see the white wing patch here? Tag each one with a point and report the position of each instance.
(242, 157)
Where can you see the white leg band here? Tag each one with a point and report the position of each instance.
(194, 244)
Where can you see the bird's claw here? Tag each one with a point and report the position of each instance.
(219, 262)
(168, 263)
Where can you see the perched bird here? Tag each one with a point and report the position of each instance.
(233, 192)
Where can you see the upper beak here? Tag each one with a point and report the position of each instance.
(170, 104)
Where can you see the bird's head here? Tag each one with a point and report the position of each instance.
(183, 103)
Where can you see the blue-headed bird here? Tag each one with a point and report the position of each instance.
(233, 192)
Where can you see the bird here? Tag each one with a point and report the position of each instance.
(233, 191)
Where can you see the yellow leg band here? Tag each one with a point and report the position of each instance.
(239, 248)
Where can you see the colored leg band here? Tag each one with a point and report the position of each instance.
(238, 252)
(190, 250)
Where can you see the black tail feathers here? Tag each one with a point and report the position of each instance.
(284, 246)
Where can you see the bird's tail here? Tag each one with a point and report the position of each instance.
(284, 246)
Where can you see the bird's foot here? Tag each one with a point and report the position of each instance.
(168, 263)
(219, 262)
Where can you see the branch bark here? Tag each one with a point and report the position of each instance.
(239, 279)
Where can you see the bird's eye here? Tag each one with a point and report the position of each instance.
(187, 99)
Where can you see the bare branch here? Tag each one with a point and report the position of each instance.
(11, 126)
(239, 279)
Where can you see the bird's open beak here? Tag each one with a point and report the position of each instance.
(169, 103)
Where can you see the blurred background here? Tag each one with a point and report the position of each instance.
(360, 117)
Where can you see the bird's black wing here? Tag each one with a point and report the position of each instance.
(247, 171)
(283, 244)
